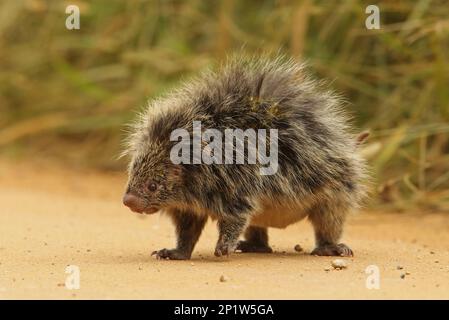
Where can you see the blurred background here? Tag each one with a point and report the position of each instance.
(66, 95)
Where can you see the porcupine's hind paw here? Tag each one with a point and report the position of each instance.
(340, 250)
(171, 254)
(252, 247)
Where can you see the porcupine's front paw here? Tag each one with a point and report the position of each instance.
(171, 254)
(224, 248)
(229, 232)
(340, 249)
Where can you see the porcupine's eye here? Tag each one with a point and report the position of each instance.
(152, 186)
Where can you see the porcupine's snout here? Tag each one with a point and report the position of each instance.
(137, 204)
(133, 202)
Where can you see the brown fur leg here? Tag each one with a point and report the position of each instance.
(229, 232)
(327, 221)
(256, 240)
(188, 230)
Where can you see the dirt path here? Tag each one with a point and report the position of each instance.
(51, 218)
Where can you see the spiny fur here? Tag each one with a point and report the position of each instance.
(320, 170)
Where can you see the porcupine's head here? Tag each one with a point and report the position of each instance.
(154, 181)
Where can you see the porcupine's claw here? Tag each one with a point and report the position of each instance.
(340, 249)
(170, 254)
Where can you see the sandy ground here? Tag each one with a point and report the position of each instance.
(51, 218)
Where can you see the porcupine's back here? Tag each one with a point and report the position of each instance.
(316, 149)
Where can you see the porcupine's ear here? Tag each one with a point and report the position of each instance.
(175, 170)
(175, 174)
(361, 138)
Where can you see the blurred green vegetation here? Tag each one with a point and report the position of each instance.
(66, 94)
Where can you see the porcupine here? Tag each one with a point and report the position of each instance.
(320, 174)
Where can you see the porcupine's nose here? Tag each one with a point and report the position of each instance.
(133, 202)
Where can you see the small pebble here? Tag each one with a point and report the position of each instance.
(192, 264)
(402, 275)
(223, 278)
(327, 269)
(399, 267)
(298, 248)
(339, 264)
